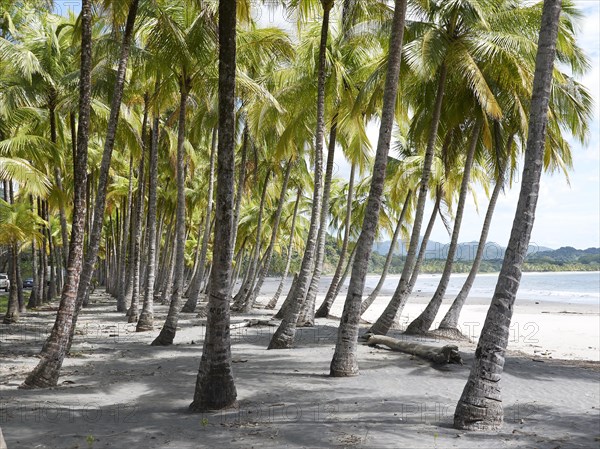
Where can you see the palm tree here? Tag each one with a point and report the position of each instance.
(167, 333)
(275, 228)
(109, 142)
(46, 373)
(242, 296)
(423, 322)
(184, 37)
(345, 362)
(448, 30)
(273, 301)
(197, 279)
(388, 259)
(215, 388)
(568, 112)
(480, 405)
(285, 333)
(132, 313)
(331, 294)
(146, 319)
(450, 321)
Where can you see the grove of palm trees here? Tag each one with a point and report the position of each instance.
(192, 194)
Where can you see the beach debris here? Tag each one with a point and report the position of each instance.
(436, 354)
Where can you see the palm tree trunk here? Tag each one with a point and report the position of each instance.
(215, 387)
(242, 296)
(269, 252)
(307, 316)
(12, 311)
(388, 259)
(332, 291)
(450, 320)
(45, 374)
(126, 247)
(344, 362)
(96, 233)
(480, 405)
(146, 321)
(164, 266)
(342, 281)
(273, 302)
(169, 270)
(423, 248)
(385, 321)
(137, 232)
(58, 179)
(240, 186)
(420, 257)
(34, 268)
(51, 263)
(423, 322)
(419, 260)
(44, 256)
(197, 279)
(167, 333)
(285, 333)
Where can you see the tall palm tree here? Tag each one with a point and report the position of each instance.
(197, 279)
(443, 46)
(146, 319)
(215, 387)
(273, 301)
(450, 321)
(95, 233)
(183, 36)
(423, 322)
(285, 333)
(480, 405)
(46, 373)
(345, 362)
(275, 228)
(333, 290)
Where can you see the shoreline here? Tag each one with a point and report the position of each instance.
(551, 328)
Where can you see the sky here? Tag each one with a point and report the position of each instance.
(568, 213)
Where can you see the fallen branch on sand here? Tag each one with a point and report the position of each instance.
(436, 354)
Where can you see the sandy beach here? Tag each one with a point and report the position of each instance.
(116, 391)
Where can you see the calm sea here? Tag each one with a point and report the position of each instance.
(582, 287)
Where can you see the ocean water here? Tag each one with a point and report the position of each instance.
(578, 287)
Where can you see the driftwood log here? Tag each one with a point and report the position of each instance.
(252, 323)
(436, 354)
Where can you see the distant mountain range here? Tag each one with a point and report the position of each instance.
(466, 252)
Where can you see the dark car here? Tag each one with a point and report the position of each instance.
(28, 283)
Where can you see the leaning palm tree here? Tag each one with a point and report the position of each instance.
(423, 322)
(285, 333)
(480, 405)
(46, 373)
(215, 387)
(183, 36)
(449, 324)
(444, 45)
(345, 361)
(109, 142)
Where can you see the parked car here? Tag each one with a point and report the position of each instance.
(28, 283)
(4, 282)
